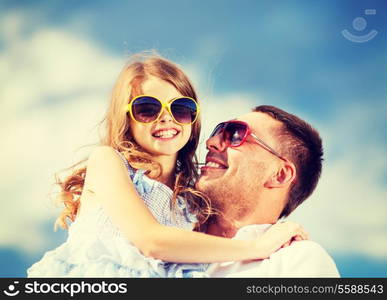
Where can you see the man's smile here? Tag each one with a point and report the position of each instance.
(213, 163)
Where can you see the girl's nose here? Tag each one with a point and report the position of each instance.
(165, 116)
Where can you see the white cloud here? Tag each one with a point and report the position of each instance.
(348, 211)
(39, 133)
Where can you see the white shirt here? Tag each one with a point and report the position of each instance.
(300, 259)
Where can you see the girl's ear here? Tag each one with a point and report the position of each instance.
(284, 176)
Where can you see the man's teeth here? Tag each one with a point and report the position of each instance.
(214, 165)
(166, 133)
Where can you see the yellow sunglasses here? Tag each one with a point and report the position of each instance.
(148, 109)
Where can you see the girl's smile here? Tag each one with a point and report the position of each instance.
(165, 133)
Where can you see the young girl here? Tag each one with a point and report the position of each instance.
(134, 207)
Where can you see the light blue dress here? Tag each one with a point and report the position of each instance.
(96, 248)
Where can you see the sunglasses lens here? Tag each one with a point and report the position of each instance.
(234, 133)
(146, 109)
(218, 129)
(184, 110)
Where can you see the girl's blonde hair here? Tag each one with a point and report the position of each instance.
(118, 136)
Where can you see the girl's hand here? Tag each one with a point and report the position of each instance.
(278, 236)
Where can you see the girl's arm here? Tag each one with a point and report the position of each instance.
(108, 178)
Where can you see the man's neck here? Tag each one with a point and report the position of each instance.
(221, 227)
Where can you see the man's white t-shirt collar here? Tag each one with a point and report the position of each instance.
(251, 231)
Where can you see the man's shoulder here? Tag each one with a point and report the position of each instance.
(303, 250)
(305, 247)
(307, 258)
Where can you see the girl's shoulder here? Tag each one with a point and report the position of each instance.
(102, 152)
(103, 155)
(99, 155)
(105, 160)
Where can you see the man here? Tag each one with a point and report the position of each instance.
(259, 168)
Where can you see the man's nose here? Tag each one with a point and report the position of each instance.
(216, 144)
(165, 116)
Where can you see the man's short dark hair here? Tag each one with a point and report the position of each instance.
(301, 144)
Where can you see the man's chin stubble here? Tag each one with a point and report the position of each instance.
(219, 193)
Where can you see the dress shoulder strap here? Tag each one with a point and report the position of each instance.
(128, 167)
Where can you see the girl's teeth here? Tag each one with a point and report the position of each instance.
(166, 133)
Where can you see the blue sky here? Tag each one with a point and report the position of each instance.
(59, 60)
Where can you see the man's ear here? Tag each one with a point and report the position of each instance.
(284, 176)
